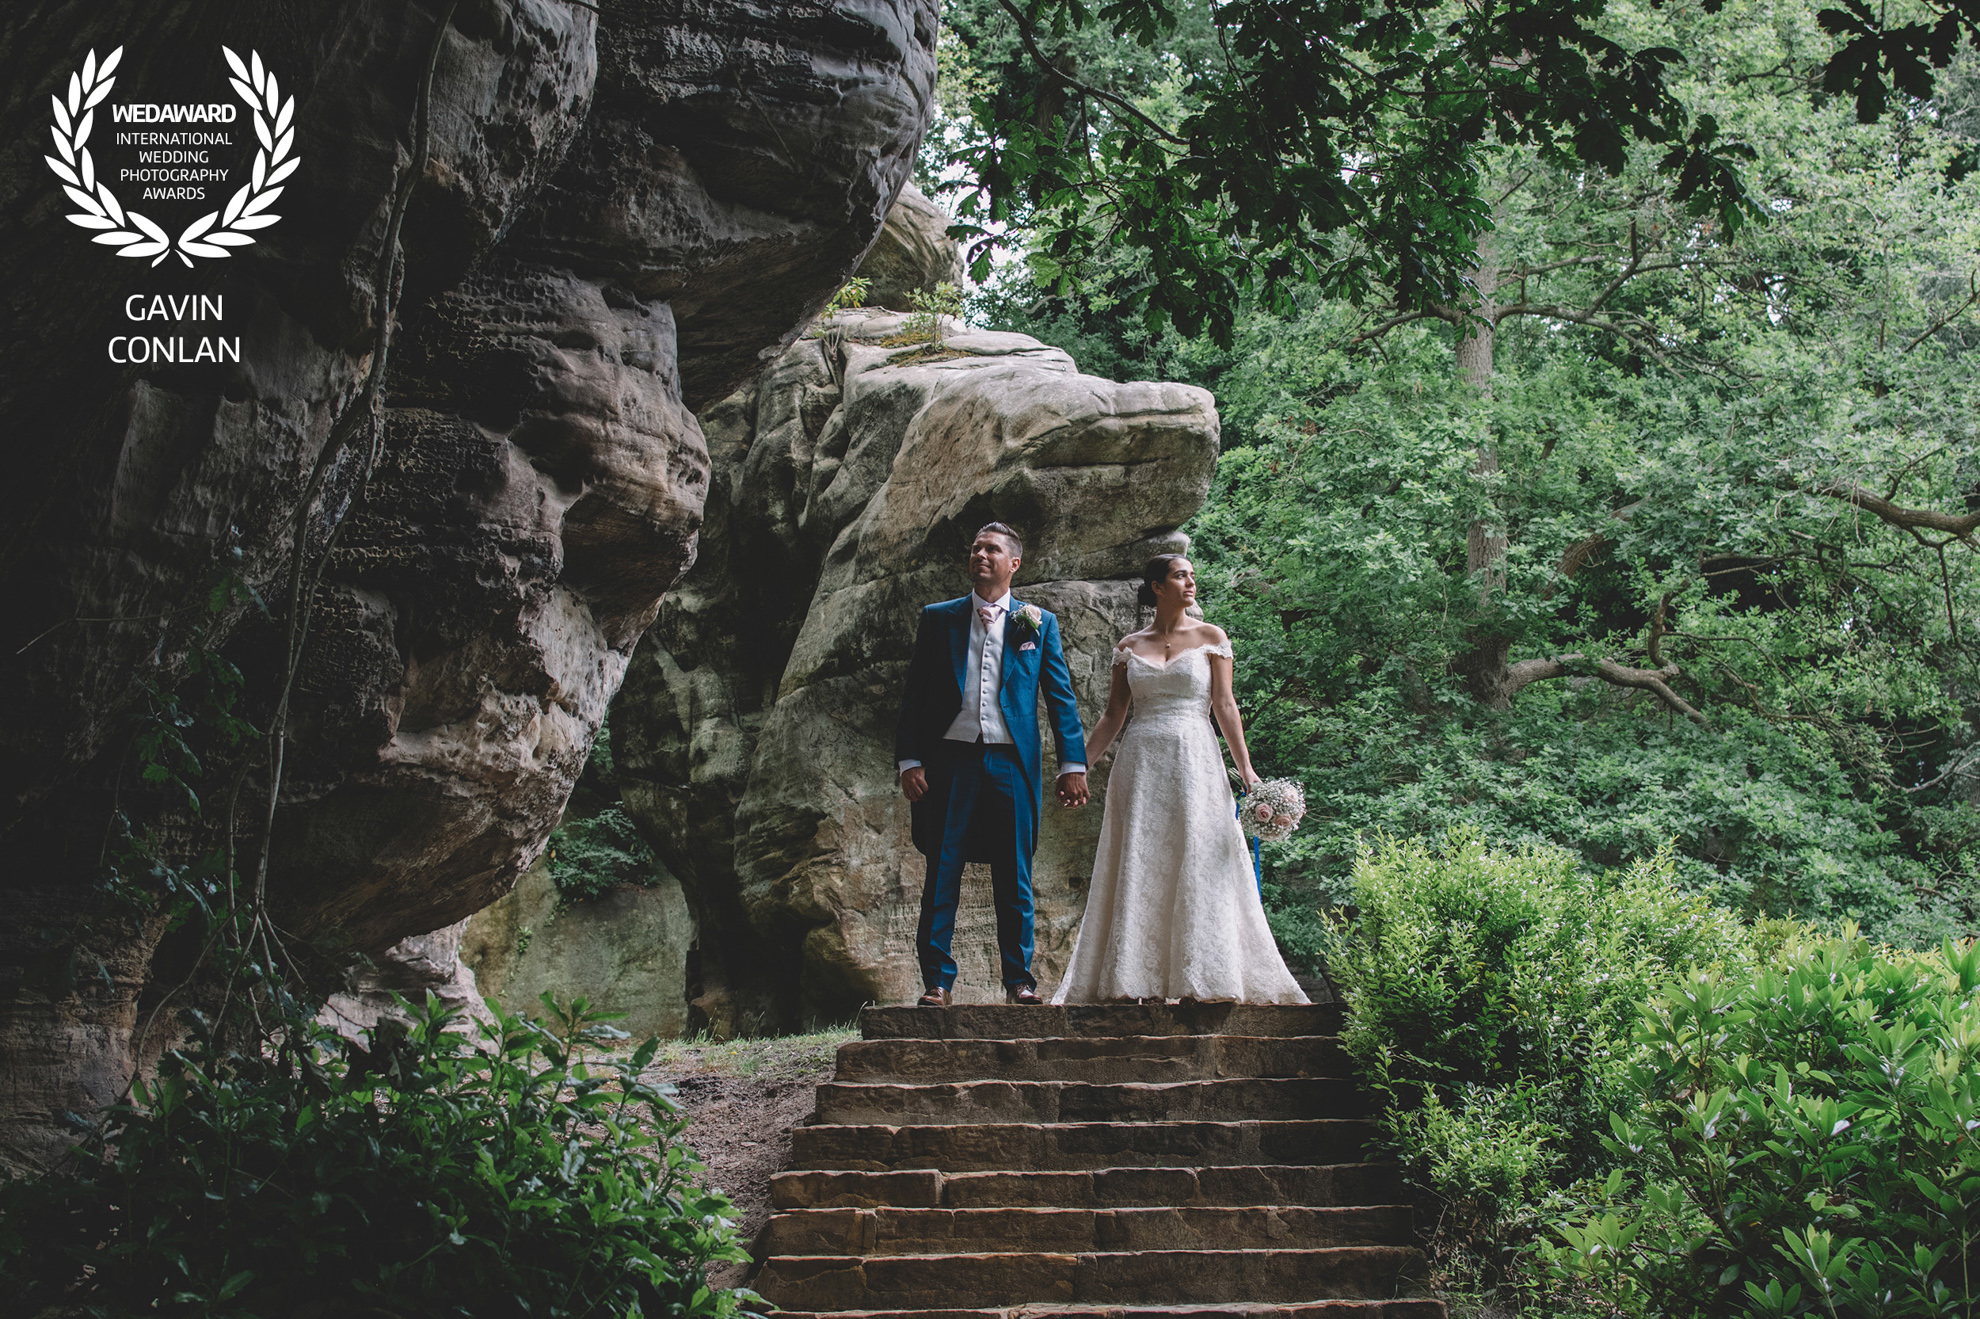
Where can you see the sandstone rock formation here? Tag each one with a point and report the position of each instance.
(913, 254)
(635, 971)
(613, 227)
(753, 738)
(411, 969)
(624, 950)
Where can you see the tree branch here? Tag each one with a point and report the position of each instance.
(1973, 283)
(1960, 767)
(1457, 316)
(1581, 318)
(1547, 268)
(1624, 275)
(1578, 554)
(1053, 71)
(1395, 322)
(1525, 672)
(1897, 515)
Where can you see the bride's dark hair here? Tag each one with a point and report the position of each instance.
(1156, 571)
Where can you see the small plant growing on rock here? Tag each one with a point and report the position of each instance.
(851, 294)
(925, 325)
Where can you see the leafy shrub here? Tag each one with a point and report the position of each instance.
(594, 854)
(851, 294)
(520, 1173)
(1806, 1139)
(1492, 996)
(925, 324)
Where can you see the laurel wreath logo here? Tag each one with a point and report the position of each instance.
(135, 235)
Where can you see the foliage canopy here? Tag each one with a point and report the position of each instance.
(1250, 147)
(1327, 144)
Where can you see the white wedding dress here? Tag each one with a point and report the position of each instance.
(1173, 911)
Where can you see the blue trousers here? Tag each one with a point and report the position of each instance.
(990, 815)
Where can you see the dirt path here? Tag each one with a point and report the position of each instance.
(742, 1099)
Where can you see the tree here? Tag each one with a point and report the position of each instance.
(1729, 601)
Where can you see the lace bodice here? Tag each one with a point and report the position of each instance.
(1178, 688)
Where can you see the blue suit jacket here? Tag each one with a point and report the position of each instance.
(935, 693)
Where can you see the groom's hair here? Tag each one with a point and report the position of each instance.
(1010, 537)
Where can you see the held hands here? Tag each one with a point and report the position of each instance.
(1072, 787)
(1072, 790)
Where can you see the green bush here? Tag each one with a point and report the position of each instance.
(594, 854)
(1492, 995)
(520, 1173)
(1805, 1136)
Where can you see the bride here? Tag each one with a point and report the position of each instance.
(1174, 910)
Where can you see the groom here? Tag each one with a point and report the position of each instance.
(967, 748)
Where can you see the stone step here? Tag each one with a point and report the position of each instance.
(1281, 1184)
(1148, 1277)
(954, 1103)
(1395, 1308)
(874, 1232)
(998, 1021)
(1063, 1146)
(1097, 1059)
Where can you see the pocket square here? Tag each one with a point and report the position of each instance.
(1029, 645)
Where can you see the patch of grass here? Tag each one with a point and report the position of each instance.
(925, 353)
(768, 1057)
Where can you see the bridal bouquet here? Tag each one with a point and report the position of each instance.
(1273, 809)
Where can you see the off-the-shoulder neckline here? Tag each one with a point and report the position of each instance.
(1219, 647)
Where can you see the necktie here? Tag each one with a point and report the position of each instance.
(988, 613)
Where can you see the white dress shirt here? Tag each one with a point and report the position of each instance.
(982, 713)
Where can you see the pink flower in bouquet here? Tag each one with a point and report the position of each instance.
(1274, 807)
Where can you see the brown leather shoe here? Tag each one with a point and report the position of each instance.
(934, 998)
(1025, 994)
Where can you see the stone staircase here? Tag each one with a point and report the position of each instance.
(994, 1162)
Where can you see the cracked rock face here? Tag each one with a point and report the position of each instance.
(613, 226)
(754, 735)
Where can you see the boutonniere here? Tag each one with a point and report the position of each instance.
(1027, 619)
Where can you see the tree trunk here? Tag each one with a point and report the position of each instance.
(1484, 663)
(1485, 544)
(1474, 345)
